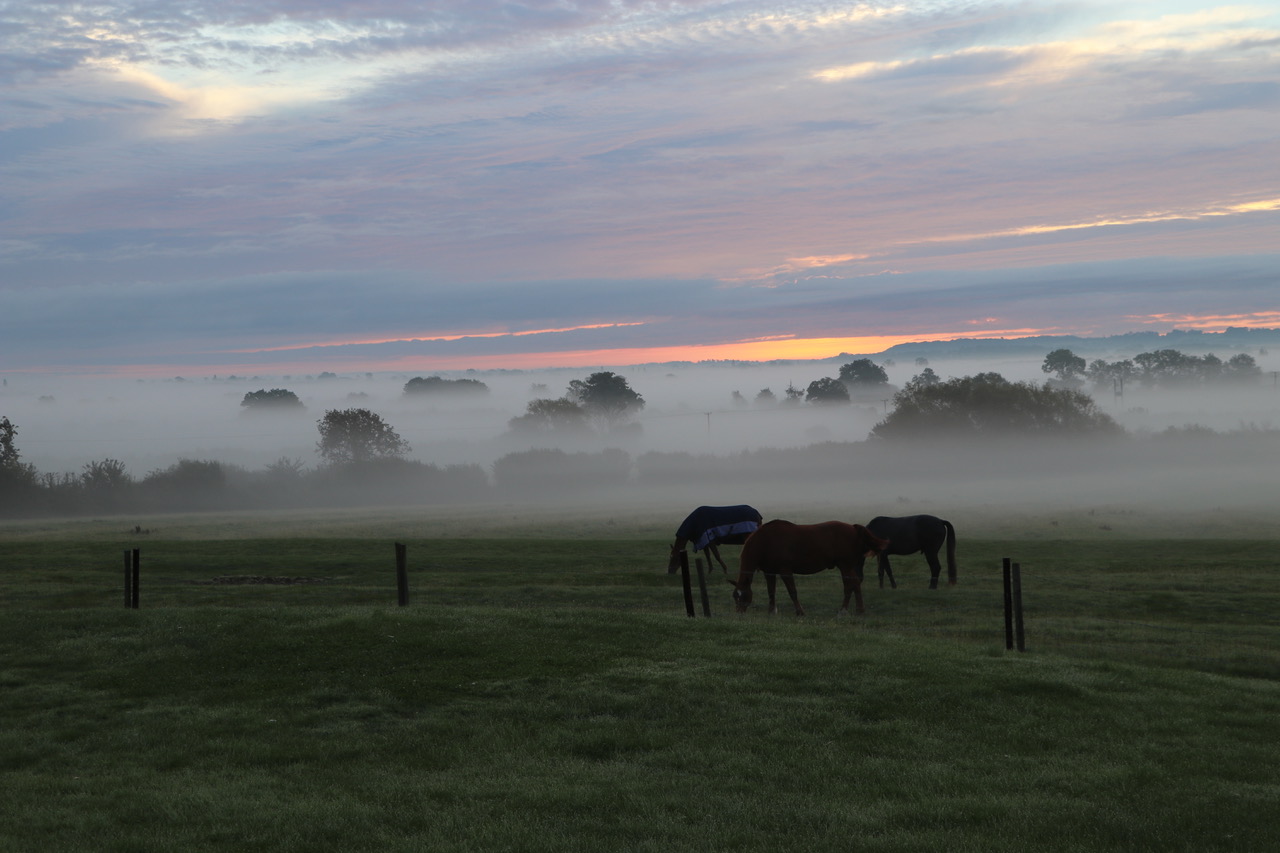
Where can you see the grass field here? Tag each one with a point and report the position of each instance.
(545, 690)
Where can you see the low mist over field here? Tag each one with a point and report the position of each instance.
(66, 422)
(1212, 446)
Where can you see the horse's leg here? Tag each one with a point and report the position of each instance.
(935, 568)
(790, 580)
(715, 552)
(771, 581)
(852, 587)
(883, 562)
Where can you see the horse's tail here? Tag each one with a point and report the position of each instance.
(951, 552)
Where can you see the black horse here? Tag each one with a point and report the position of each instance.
(709, 526)
(914, 534)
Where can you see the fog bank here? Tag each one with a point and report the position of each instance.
(65, 423)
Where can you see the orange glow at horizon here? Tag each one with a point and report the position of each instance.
(760, 349)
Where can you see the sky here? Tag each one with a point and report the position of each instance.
(278, 186)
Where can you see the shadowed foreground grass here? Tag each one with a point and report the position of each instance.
(551, 695)
(314, 728)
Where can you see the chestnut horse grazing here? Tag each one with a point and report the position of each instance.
(781, 548)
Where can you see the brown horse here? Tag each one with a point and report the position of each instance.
(781, 548)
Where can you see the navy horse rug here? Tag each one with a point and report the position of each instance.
(709, 526)
(719, 525)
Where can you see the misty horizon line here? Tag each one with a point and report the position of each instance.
(956, 347)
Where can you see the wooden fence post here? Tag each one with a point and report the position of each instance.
(702, 586)
(402, 574)
(684, 580)
(1008, 604)
(131, 562)
(1017, 607)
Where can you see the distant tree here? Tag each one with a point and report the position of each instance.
(286, 469)
(1115, 374)
(1167, 367)
(18, 480)
(827, 391)
(190, 474)
(766, 397)
(794, 395)
(1242, 368)
(551, 416)
(105, 475)
(1065, 364)
(738, 399)
(9, 455)
(607, 396)
(990, 405)
(440, 385)
(863, 372)
(924, 379)
(1210, 368)
(921, 361)
(357, 435)
(275, 400)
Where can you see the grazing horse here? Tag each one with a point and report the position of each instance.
(786, 549)
(709, 526)
(913, 534)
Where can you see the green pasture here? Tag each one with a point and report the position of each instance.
(545, 691)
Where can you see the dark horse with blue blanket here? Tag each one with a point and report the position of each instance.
(709, 526)
(914, 534)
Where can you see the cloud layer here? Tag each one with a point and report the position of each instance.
(187, 183)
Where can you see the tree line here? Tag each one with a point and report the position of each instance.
(1165, 368)
(364, 459)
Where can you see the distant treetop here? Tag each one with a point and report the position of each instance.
(605, 395)
(863, 371)
(276, 399)
(1169, 368)
(357, 435)
(1068, 366)
(990, 405)
(827, 391)
(439, 385)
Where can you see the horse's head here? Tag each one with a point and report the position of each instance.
(674, 562)
(741, 595)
